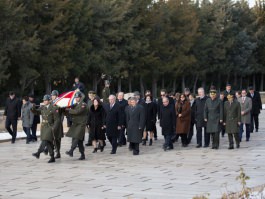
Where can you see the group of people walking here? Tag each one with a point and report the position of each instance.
(114, 117)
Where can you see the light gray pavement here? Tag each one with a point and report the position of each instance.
(180, 173)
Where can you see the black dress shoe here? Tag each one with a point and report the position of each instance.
(231, 147)
(95, 150)
(70, 153)
(101, 148)
(199, 146)
(58, 155)
(82, 157)
(112, 152)
(257, 130)
(205, 146)
(51, 160)
(135, 153)
(237, 146)
(247, 140)
(184, 145)
(37, 155)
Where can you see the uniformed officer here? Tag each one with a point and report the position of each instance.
(47, 127)
(77, 131)
(232, 120)
(106, 92)
(58, 125)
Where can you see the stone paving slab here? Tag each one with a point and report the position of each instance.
(180, 173)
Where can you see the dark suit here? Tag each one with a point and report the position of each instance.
(12, 113)
(122, 139)
(113, 120)
(256, 107)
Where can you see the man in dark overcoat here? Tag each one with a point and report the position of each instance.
(135, 117)
(113, 122)
(256, 107)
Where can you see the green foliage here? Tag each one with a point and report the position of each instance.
(42, 42)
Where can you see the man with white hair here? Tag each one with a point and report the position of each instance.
(199, 118)
(113, 122)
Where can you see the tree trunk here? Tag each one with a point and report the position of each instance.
(261, 82)
(48, 86)
(130, 83)
(219, 84)
(174, 85)
(235, 79)
(163, 81)
(141, 86)
(95, 83)
(154, 87)
(254, 81)
(195, 84)
(119, 84)
(183, 83)
(241, 82)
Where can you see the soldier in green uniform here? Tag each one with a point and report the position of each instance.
(77, 131)
(213, 116)
(58, 123)
(232, 120)
(106, 92)
(47, 127)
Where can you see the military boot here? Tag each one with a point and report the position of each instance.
(82, 157)
(37, 155)
(51, 160)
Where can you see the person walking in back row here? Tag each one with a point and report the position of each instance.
(11, 114)
(246, 107)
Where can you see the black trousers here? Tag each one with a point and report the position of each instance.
(113, 142)
(184, 138)
(78, 143)
(122, 138)
(135, 148)
(215, 139)
(34, 131)
(49, 146)
(231, 141)
(254, 120)
(155, 132)
(58, 144)
(13, 131)
(190, 134)
(199, 136)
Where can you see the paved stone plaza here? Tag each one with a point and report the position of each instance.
(180, 173)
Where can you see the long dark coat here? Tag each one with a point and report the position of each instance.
(150, 116)
(47, 124)
(183, 122)
(213, 112)
(232, 115)
(168, 119)
(135, 117)
(58, 123)
(123, 104)
(199, 111)
(113, 120)
(79, 118)
(256, 103)
(96, 120)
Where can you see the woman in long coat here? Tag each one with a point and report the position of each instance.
(150, 119)
(183, 113)
(96, 121)
(27, 117)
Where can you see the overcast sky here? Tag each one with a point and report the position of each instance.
(251, 2)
